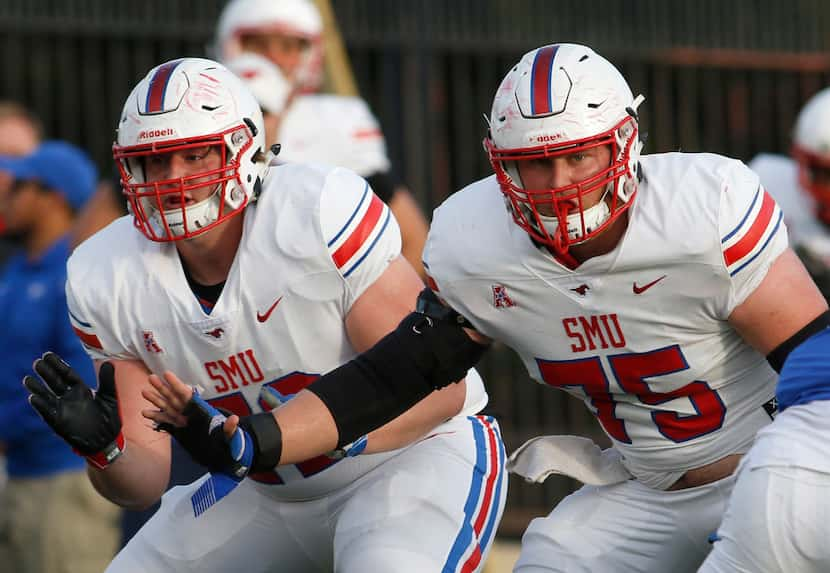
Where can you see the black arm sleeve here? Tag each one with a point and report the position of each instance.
(422, 354)
(383, 184)
(777, 357)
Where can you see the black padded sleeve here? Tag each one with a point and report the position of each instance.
(421, 355)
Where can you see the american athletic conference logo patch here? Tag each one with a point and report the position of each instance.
(150, 342)
(500, 297)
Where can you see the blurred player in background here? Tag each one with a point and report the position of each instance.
(776, 521)
(801, 186)
(658, 289)
(315, 127)
(250, 280)
(270, 88)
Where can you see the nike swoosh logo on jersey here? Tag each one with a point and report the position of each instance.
(264, 316)
(645, 287)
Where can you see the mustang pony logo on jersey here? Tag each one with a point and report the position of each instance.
(215, 333)
(500, 297)
(581, 289)
(150, 342)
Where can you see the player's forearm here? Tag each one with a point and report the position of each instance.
(136, 480)
(308, 429)
(419, 420)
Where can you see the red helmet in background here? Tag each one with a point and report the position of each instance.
(296, 18)
(811, 150)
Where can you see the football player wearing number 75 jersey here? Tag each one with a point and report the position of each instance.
(249, 280)
(658, 289)
(654, 288)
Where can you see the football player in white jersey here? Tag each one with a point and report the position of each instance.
(249, 280)
(317, 127)
(657, 289)
(801, 186)
(776, 520)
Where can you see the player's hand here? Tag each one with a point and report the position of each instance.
(212, 438)
(89, 421)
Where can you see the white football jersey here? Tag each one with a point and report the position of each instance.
(335, 130)
(779, 175)
(315, 240)
(640, 333)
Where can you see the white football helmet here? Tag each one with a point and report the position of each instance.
(811, 150)
(558, 99)
(264, 79)
(299, 18)
(184, 104)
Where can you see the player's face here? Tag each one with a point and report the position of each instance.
(564, 170)
(18, 205)
(284, 50)
(184, 163)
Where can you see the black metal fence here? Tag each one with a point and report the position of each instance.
(725, 76)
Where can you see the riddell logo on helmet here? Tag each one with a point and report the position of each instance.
(155, 133)
(546, 138)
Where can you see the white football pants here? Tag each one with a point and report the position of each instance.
(432, 508)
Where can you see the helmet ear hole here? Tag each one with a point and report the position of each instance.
(254, 129)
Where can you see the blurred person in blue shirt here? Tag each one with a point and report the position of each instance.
(52, 519)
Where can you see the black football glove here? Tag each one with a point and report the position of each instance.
(254, 446)
(88, 421)
(204, 439)
(229, 459)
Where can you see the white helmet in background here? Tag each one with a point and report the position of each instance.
(298, 18)
(264, 79)
(811, 150)
(185, 104)
(557, 100)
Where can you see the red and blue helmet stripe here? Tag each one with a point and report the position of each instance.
(158, 87)
(541, 97)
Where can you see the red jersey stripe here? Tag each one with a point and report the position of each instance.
(432, 284)
(364, 229)
(748, 242)
(89, 339)
(367, 133)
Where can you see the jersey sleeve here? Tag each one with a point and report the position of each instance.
(365, 152)
(360, 231)
(91, 325)
(752, 232)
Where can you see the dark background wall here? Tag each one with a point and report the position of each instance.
(725, 76)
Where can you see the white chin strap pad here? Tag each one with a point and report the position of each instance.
(594, 217)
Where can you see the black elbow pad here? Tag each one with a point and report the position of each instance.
(421, 355)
